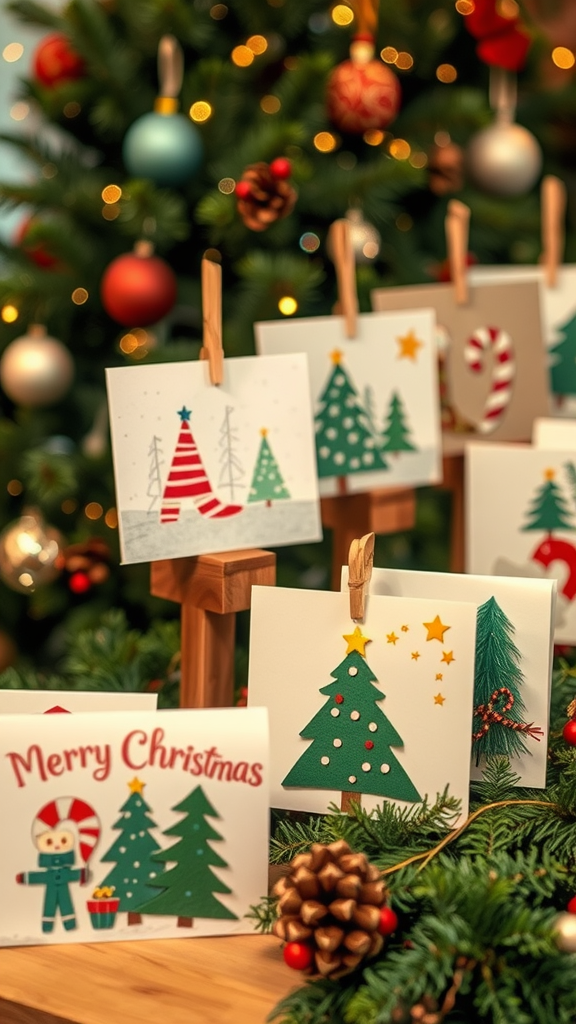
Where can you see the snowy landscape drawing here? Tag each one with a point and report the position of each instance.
(201, 468)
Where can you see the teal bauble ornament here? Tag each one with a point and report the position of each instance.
(165, 147)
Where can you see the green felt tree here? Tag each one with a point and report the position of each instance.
(498, 706)
(344, 441)
(188, 886)
(267, 482)
(352, 739)
(396, 432)
(563, 366)
(548, 511)
(132, 853)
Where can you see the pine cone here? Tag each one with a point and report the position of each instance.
(445, 169)
(331, 898)
(269, 199)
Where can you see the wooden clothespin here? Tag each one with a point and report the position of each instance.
(553, 203)
(360, 561)
(170, 75)
(457, 226)
(340, 242)
(212, 319)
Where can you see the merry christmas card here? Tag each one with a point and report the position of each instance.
(492, 365)
(375, 397)
(372, 713)
(133, 825)
(47, 702)
(513, 663)
(202, 468)
(521, 520)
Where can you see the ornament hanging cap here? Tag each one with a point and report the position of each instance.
(65, 810)
(170, 75)
(366, 17)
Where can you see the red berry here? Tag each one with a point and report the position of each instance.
(369, 745)
(339, 698)
(79, 582)
(388, 921)
(243, 189)
(569, 732)
(298, 955)
(571, 906)
(280, 167)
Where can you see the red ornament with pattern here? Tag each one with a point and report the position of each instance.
(362, 93)
(55, 62)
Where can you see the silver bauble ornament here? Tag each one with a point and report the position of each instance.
(364, 237)
(36, 369)
(565, 928)
(30, 553)
(504, 159)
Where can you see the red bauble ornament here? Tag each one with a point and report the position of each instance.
(388, 921)
(362, 93)
(569, 732)
(55, 62)
(138, 288)
(298, 955)
(79, 582)
(34, 250)
(571, 905)
(281, 168)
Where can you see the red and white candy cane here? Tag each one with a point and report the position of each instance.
(498, 400)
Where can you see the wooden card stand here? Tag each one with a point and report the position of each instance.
(383, 510)
(211, 589)
(453, 481)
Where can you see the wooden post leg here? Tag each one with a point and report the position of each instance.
(207, 658)
(453, 481)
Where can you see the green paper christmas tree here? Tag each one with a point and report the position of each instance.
(188, 886)
(549, 511)
(344, 441)
(352, 737)
(396, 432)
(132, 853)
(563, 368)
(267, 482)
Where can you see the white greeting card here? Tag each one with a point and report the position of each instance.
(377, 712)
(521, 520)
(375, 397)
(46, 702)
(202, 468)
(132, 825)
(554, 434)
(513, 667)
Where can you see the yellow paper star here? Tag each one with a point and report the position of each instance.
(391, 638)
(447, 656)
(336, 356)
(405, 628)
(436, 629)
(409, 345)
(439, 675)
(439, 699)
(415, 655)
(549, 474)
(356, 642)
(136, 786)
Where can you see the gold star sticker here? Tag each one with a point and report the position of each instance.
(439, 699)
(409, 346)
(136, 786)
(391, 638)
(439, 675)
(549, 474)
(436, 629)
(447, 656)
(415, 655)
(405, 628)
(336, 356)
(356, 642)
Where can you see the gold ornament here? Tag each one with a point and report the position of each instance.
(30, 553)
(565, 928)
(35, 369)
(504, 159)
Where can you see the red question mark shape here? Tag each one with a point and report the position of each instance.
(554, 550)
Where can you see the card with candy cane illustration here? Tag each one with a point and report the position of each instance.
(521, 519)
(492, 364)
(513, 664)
(375, 396)
(375, 712)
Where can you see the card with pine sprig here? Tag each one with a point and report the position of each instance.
(375, 712)
(513, 664)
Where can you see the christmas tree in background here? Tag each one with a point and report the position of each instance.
(563, 360)
(188, 886)
(344, 442)
(352, 737)
(549, 511)
(267, 482)
(132, 854)
(396, 433)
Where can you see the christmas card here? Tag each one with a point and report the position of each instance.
(554, 434)
(521, 520)
(375, 397)
(493, 376)
(133, 825)
(201, 468)
(46, 702)
(513, 665)
(375, 712)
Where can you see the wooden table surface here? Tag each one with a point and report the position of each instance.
(229, 980)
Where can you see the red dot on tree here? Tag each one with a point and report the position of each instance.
(569, 732)
(243, 189)
(79, 582)
(571, 905)
(339, 698)
(281, 167)
(388, 921)
(298, 955)
(369, 745)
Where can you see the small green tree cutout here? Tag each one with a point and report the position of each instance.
(267, 482)
(563, 367)
(549, 511)
(344, 441)
(188, 887)
(396, 432)
(133, 854)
